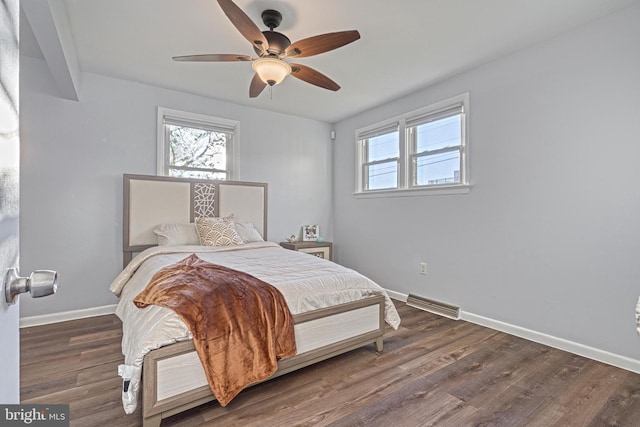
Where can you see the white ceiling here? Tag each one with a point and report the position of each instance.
(405, 45)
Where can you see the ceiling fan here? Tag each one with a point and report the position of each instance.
(273, 47)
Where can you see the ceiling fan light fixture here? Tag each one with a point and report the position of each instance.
(271, 70)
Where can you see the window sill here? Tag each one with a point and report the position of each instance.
(443, 190)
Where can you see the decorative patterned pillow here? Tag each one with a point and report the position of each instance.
(217, 232)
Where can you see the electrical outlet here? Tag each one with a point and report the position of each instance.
(423, 268)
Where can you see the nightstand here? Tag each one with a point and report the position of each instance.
(321, 250)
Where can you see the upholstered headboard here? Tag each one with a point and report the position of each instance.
(153, 200)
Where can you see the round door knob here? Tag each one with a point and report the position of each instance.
(39, 284)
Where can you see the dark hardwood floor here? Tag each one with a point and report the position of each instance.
(433, 372)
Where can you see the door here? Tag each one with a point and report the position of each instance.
(9, 197)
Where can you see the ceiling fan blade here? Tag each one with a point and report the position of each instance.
(244, 24)
(322, 43)
(257, 86)
(312, 76)
(212, 58)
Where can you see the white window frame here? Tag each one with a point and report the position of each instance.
(406, 173)
(171, 116)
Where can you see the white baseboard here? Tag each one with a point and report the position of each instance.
(613, 359)
(44, 319)
(623, 362)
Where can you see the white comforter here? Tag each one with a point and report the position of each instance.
(306, 282)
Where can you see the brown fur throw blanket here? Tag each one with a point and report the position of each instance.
(240, 325)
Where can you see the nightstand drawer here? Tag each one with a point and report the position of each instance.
(321, 250)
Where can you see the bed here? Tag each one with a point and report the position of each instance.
(348, 312)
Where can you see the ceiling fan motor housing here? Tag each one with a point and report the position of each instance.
(278, 43)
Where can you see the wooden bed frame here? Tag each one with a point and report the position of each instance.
(173, 379)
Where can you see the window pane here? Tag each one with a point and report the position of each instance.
(383, 147)
(197, 174)
(197, 148)
(442, 168)
(438, 134)
(382, 175)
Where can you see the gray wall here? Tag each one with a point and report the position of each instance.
(74, 155)
(548, 239)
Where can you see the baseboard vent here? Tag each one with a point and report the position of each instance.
(432, 306)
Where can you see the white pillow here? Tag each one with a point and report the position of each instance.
(177, 234)
(217, 232)
(248, 232)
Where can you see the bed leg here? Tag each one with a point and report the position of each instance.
(379, 345)
(152, 421)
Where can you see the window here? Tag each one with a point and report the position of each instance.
(195, 145)
(381, 158)
(435, 142)
(424, 151)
